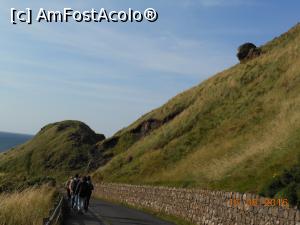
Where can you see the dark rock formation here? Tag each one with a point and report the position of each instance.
(247, 51)
(104, 150)
(151, 124)
(107, 144)
(146, 126)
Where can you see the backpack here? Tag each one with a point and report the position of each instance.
(84, 189)
(91, 187)
(74, 185)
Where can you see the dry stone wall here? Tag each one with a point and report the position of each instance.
(202, 207)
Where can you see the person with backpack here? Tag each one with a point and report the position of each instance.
(73, 185)
(89, 193)
(82, 192)
(68, 188)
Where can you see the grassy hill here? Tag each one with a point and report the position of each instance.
(57, 151)
(236, 131)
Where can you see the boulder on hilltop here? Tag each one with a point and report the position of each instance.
(248, 51)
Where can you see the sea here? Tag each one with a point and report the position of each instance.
(10, 140)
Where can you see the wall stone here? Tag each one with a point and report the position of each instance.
(202, 207)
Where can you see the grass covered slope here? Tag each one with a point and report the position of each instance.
(235, 131)
(58, 150)
(27, 207)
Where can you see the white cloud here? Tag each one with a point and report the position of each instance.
(175, 55)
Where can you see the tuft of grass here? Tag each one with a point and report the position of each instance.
(27, 207)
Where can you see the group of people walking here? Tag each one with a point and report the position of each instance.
(79, 190)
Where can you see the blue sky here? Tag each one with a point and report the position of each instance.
(108, 75)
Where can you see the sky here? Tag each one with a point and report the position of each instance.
(109, 74)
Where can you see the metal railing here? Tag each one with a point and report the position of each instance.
(56, 214)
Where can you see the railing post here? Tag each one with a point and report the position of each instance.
(54, 213)
(45, 221)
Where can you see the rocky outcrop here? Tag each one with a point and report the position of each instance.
(108, 143)
(151, 124)
(146, 127)
(105, 150)
(101, 154)
(80, 138)
(248, 51)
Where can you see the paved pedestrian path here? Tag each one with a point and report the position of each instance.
(105, 213)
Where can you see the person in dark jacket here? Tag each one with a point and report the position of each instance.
(89, 193)
(82, 193)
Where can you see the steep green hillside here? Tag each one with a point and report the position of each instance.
(58, 150)
(235, 131)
